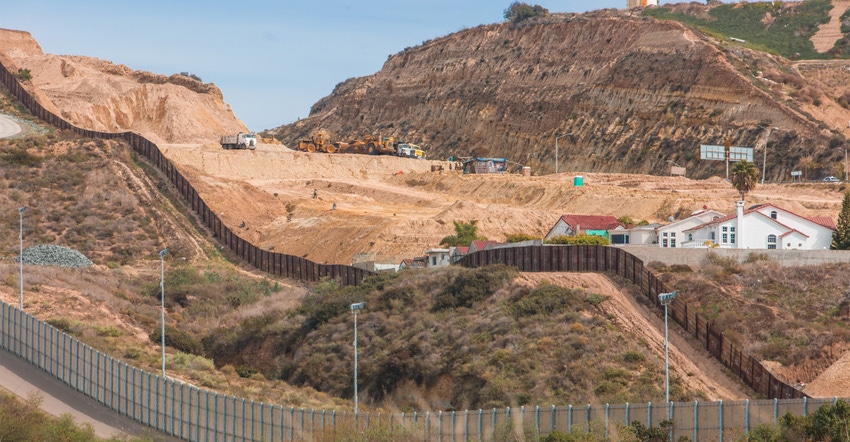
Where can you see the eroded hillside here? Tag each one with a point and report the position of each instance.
(99, 95)
(632, 93)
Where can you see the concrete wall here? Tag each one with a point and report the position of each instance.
(696, 258)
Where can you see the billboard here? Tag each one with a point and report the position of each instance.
(718, 153)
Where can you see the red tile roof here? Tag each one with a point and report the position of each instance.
(591, 222)
(824, 221)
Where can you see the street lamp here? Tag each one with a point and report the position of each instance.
(162, 296)
(21, 238)
(666, 299)
(354, 309)
(556, 150)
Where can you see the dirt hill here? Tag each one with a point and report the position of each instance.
(631, 92)
(99, 95)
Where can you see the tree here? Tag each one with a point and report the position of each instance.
(519, 11)
(465, 233)
(841, 236)
(744, 177)
(24, 74)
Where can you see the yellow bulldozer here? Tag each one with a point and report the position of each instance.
(320, 141)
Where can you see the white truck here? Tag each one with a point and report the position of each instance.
(409, 150)
(239, 141)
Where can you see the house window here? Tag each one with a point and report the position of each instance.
(433, 260)
(664, 234)
(673, 234)
(619, 238)
(712, 235)
(673, 242)
(690, 236)
(771, 241)
(664, 242)
(724, 236)
(732, 235)
(773, 214)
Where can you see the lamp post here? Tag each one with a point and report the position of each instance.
(666, 299)
(556, 150)
(21, 239)
(354, 309)
(162, 296)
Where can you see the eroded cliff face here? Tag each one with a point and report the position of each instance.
(632, 93)
(99, 95)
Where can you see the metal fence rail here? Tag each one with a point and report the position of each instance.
(197, 414)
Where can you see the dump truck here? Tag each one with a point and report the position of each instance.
(239, 141)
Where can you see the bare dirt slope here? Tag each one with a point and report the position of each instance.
(99, 95)
(395, 208)
(827, 34)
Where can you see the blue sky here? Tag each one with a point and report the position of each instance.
(272, 59)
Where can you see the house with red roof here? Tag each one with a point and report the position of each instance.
(763, 226)
(479, 245)
(571, 225)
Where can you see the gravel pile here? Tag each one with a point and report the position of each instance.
(57, 256)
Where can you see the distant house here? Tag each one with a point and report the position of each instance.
(673, 234)
(457, 253)
(477, 246)
(635, 236)
(637, 3)
(438, 257)
(571, 225)
(419, 262)
(764, 226)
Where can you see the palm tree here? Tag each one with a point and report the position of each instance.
(744, 177)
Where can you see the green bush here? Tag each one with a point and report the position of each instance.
(471, 286)
(520, 237)
(61, 323)
(580, 240)
(519, 11)
(177, 339)
(24, 74)
(546, 299)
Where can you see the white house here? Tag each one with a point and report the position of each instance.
(763, 226)
(438, 257)
(673, 234)
(635, 236)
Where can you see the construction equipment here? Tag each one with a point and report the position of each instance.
(239, 141)
(379, 146)
(320, 141)
(409, 150)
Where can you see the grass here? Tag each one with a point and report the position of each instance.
(787, 35)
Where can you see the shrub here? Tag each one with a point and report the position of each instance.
(471, 286)
(519, 11)
(520, 237)
(546, 299)
(177, 339)
(61, 323)
(580, 240)
(24, 74)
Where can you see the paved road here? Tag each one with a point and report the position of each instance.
(23, 379)
(8, 127)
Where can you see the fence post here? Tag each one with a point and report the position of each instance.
(607, 411)
(537, 422)
(570, 419)
(493, 425)
(440, 425)
(553, 419)
(696, 420)
(747, 417)
(453, 425)
(720, 414)
(649, 414)
(480, 423)
(775, 410)
(465, 424)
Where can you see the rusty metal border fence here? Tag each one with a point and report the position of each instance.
(197, 414)
(555, 258)
(280, 264)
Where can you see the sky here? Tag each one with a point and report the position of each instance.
(272, 59)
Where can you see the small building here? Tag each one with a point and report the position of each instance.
(457, 253)
(644, 235)
(763, 226)
(572, 225)
(477, 246)
(419, 262)
(438, 257)
(673, 234)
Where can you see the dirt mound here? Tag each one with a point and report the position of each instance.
(99, 95)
